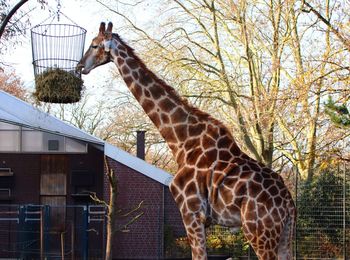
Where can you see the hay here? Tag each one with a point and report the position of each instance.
(58, 86)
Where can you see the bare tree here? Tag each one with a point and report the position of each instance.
(5, 18)
(11, 84)
(258, 66)
(13, 20)
(325, 19)
(113, 211)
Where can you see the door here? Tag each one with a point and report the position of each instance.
(53, 188)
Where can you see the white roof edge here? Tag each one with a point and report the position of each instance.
(16, 111)
(138, 164)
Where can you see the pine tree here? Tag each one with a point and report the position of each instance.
(338, 114)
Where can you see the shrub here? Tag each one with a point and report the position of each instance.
(320, 216)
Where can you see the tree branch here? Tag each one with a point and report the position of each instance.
(131, 221)
(334, 30)
(9, 16)
(131, 23)
(132, 211)
(94, 197)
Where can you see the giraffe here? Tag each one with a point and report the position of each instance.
(216, 183)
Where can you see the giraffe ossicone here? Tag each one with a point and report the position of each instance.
(216, 183)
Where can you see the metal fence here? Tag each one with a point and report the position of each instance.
(48, 232)
(322, 229)
(221, 244)
(79, 232)
(323, 226)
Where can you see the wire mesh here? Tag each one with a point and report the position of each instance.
(9, 225)
(322, 229)
(57, 46)
(323, 223)
(323, 217)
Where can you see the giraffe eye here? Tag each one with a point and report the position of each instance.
(94, 46)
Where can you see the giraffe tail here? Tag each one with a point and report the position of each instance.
(285, 245)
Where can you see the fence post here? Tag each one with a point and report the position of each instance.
(104, 236)
(296, 217)
(21, 229)
(344, 211)
(73, 239)
(47, 224)
(85, 233)
(42, 236)
(62, 246)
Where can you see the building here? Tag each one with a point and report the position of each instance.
(48, 170)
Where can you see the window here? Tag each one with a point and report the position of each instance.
(14, 138)
(75, 146)
(53, 143)
(9, 141)
(9, 137)
(32, 141)
(6, 126)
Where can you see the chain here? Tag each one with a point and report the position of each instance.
(58, 10)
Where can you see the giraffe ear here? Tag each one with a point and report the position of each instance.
(109, 27)
(102, 28)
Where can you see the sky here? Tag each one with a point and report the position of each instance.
(87, 14)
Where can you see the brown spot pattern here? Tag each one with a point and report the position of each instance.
(166, 105)
(207, 153)
(178, 116)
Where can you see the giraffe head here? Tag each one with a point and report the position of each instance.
(99, 50)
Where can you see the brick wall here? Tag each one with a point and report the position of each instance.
(173, 218)
(145, 237)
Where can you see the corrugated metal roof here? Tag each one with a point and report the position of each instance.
(138, 164)
(14, 110)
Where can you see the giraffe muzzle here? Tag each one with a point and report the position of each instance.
(81, 68)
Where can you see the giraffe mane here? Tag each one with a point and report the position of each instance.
(152, 74)
(170, 89)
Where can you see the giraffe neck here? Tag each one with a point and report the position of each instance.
(167, 110)
(183, 127)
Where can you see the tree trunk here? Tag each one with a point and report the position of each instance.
(112, 211)
(110, 235)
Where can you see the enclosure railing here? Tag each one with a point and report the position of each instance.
(322, 229)
(35, 232)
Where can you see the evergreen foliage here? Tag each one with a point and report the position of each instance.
(320, 215)
(338, 114)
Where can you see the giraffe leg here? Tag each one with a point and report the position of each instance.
(264, 245)
(262, 232)
(192, 209)
(284, 247)
(196, 235)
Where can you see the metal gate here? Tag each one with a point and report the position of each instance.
(26, 232)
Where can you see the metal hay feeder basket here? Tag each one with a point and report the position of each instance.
(57, 49)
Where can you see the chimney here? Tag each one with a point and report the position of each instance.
(140, 144)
